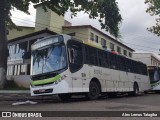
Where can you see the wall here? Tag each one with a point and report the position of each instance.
(82, 33)
(108, 41)
(49, 20)
(15, 33)
(145, 58)
(148, 58)
(155, 61)
(21, 81)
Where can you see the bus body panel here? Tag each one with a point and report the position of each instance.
(115, 79)
(109, 85)
(124, 81)
(107, 81)
(77, 81)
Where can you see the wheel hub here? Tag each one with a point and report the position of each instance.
(94, 91)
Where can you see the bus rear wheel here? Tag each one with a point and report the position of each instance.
(94, 91)
(65, 97)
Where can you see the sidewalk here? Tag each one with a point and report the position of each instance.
(21, 95)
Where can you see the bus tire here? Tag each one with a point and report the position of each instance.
(65, 97)
(94, 91)
(135, 90)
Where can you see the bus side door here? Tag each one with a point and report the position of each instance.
(75, 53)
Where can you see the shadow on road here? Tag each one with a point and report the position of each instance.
(82, 98)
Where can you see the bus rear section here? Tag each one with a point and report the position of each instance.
(154, 75)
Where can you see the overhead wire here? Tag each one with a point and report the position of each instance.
(58, 30)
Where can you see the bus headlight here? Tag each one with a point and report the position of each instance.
(60, 79)
(63, 77)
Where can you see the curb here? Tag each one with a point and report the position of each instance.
(14, 91)
(22, 95)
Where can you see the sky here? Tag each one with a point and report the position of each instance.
(133, 28)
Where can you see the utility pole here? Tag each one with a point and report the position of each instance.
(3, 44)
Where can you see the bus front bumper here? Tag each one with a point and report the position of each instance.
(51, 89)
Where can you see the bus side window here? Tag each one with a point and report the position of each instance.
(144, 69)
(122, 63)
(102, 58)
(134, 66)
(75, 52)
(113, 61)
(91, 55)
(129, 65)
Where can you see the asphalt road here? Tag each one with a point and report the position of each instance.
(146, 102)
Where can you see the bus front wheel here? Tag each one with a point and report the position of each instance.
(94, 91)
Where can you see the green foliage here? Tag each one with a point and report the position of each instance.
(105, 10)
(154, 10)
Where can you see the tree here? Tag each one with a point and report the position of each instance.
(154, 10)
(106, 10)
(3, 44)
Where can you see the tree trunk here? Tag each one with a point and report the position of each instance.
(3, 44)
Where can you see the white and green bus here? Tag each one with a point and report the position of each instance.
(154, 74)
(65, 66)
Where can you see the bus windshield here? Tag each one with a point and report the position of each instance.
(49, 59)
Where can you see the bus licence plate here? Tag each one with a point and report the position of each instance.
(42, 90)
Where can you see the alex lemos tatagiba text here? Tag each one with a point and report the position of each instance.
(139, 114)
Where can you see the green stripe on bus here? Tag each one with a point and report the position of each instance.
(155, 84)
(45, 81)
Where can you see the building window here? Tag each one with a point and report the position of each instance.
(28, 69)
(23, 70)
(12, 49)
(111, 46)
(118, 49)
(130, 54)
(23, 46)
(10, 70)
(17, 48)
(92, 36)
(103, 42)
(15, 70)
(125, 52)
(96, 39)
(18, 69)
